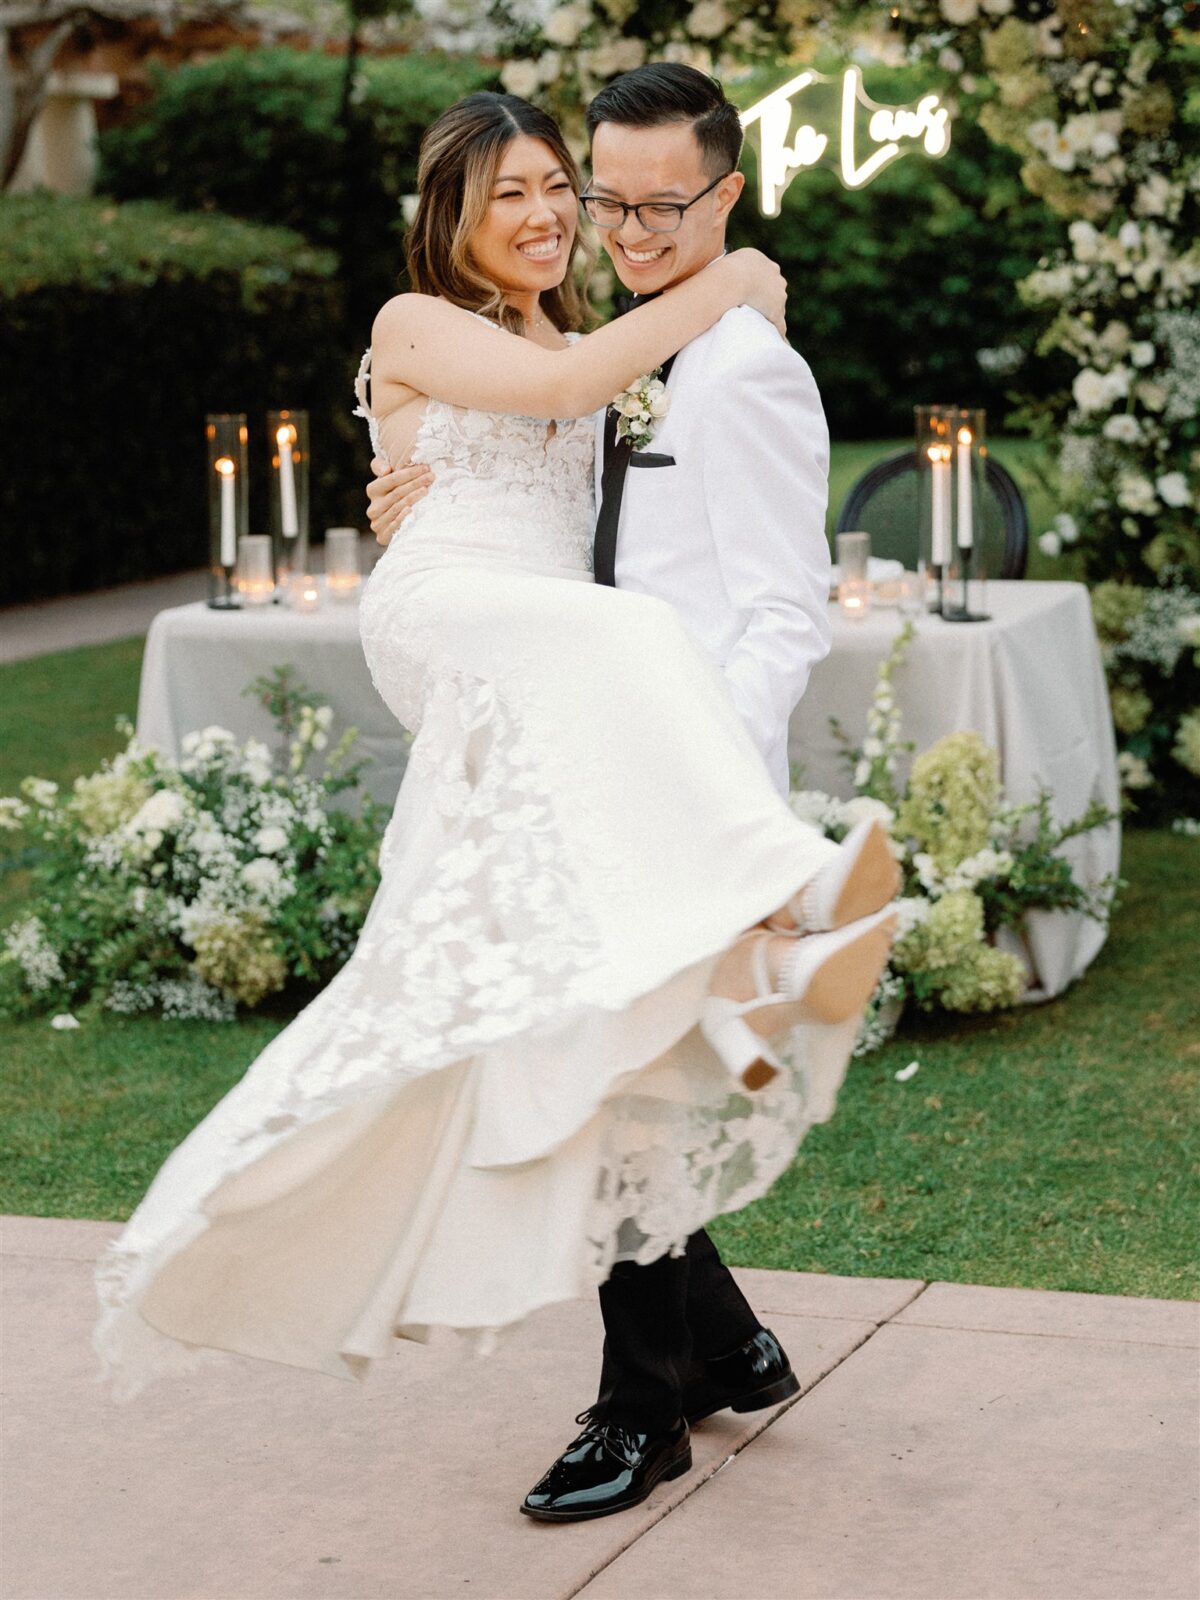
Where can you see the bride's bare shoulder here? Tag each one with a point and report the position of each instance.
(407, 314)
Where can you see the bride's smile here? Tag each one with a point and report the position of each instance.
(524, 240)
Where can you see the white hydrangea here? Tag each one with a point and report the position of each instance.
(1099, 391)
(1173, 488)
(563, 26)
(26, 942)
(521, 78)
(864, 808)
(708, 20)
(41, 791)
(12, 811)
(1136, 493)
(1066, 527)
(1133, 771)
(1123, 428)
(270, 841)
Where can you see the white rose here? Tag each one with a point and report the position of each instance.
(1050, 544)
(660, 404)
(563, 27)
(1041, 133)
(1136, 493)
(1104, 144)
(1153, 196)
(1049, 36)
(960, 12)
(865, 809)
(1173, 487)
(1062, 151)
(1142, 354)
(709, 20)
(521, 78)
(1085, 241)
(1097, 391)
(1152, 395)
(1129, 236)
(1066, 527)
(262, 875)
(1123, 429)
(269, 841)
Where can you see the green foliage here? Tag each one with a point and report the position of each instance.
(120, 327)
(260, 134)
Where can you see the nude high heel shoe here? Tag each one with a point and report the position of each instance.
(825, 978)
(862, 879)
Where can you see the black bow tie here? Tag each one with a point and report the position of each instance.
(626, 302)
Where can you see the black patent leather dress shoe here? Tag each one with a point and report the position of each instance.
(756, 1375)
(608, 1468)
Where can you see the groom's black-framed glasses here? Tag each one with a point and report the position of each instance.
(656, 216)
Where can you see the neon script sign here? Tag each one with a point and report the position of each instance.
(891, 130)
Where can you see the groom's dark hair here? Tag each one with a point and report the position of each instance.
(665, 91)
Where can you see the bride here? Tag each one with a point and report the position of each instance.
(553, 1047)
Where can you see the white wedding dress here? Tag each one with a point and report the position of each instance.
(504, 1090)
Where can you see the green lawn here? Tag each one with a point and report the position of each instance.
(1051, 1147)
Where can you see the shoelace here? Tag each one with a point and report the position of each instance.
(619, 1442)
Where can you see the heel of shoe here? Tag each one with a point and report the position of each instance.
(744, 1054)
(680, 1466)
(834, 974)
(782, 1389)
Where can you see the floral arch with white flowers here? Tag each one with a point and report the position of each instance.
(1097, 99)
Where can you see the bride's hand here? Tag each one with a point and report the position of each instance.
(763, 286)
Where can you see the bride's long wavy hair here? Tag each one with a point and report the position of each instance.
(456, 172)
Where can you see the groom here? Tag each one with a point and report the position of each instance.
(722, 515)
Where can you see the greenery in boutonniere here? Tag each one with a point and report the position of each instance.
(196, 885)
(640, 408)
(973, 865)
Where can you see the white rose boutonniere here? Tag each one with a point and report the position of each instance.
(640, 408)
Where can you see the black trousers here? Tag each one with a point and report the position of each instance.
(660, 1322)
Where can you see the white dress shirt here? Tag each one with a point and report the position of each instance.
(733, 534)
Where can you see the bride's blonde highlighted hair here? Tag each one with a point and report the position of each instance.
(456, 172)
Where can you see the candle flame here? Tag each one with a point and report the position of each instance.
(964, 436)
(938, 452)
(285, 435)
(225, 466)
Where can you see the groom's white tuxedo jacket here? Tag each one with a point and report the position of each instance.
(732, 533)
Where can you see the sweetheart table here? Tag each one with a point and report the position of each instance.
(1029, 681)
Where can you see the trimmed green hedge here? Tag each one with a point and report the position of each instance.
(258, 134)
(120, 327)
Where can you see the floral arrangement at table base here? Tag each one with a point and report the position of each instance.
(195, 886)
(973, 864)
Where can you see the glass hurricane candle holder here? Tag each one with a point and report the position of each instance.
(255, 579)
(228, 503)
(854, 569)
(287, 435)
(935, 521)
(963, 580)
(303, 592)
(343, 577)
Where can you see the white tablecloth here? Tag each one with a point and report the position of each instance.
(1029, 681)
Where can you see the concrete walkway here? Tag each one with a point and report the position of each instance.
(950, 1443)
(123, 612)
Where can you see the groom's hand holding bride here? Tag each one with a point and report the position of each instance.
(392, 495)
